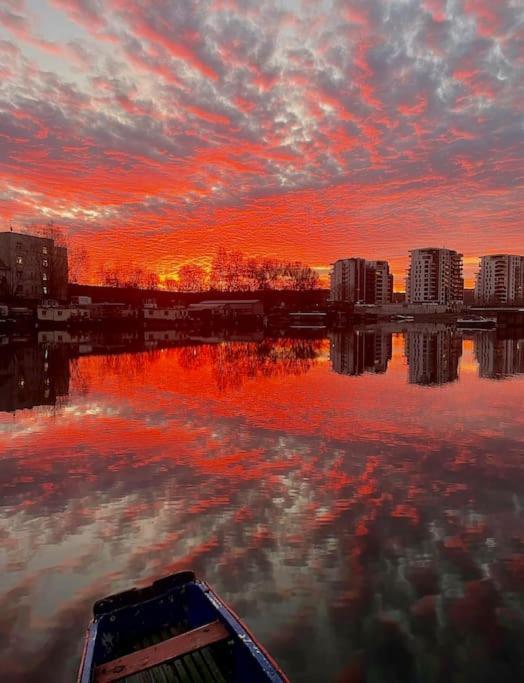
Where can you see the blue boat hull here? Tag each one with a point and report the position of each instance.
(176, 630)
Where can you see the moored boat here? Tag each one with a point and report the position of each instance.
(476, 323)
(177, 629)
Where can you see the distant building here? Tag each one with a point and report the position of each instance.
(379, 283)
(433, 355)
(32, 267)
(348, 280)
(231, 309)
(435, 277)
(355, 280)
(500, 280)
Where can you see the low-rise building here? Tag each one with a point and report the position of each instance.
(166, 314)
(228, 308)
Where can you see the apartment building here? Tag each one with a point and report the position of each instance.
(32, 267)
(500, 280)
(355, 280)
(435, 277)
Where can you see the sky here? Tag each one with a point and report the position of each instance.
(157, 132)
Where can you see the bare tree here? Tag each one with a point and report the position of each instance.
(231, 272)
(78, 259)
(192, 278)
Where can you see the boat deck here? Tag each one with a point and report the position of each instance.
(209, 664)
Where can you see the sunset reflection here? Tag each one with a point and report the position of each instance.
(346, 503)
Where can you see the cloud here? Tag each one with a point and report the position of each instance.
(188, 117)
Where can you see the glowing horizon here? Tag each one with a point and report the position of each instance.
(300, 130)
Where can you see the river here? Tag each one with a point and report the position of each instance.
(356, 497)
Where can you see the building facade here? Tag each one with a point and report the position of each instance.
(379, 283)
(32, 267)
(500, 280)
(355, 280)
(348, 280)
(435, 277)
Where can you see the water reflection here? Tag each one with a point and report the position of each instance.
(499, 358)
(32, 375)
(354, 352)
(433, 353)
(344, 513)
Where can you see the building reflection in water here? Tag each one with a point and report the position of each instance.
(499, 358)
(33, 375)
(433, 354)
(39, 374)
(354, 352)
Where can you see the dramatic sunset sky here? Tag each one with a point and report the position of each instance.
(156, 132)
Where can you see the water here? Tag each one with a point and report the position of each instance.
(357, 500)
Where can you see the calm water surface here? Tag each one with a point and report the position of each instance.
(357, 500)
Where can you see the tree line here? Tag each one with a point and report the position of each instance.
(229, 271)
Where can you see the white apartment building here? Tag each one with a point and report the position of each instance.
(500, 280)
(435, 277)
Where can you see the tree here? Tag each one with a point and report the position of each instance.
(78, 259)
(152, 280)
(109, 276)
(171, 284)
(232, 272)
(192, 278)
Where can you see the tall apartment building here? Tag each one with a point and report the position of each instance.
(379, 283)
(435, 277)
(355, 280)
(500, 280)
(32, 267)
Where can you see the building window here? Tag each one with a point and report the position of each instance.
(44, 250)
(45, 263)
(19, 261)
(44, 290)
(59, 312)
(44, 276)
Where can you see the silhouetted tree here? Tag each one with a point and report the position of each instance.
(192, 278)
(232, 272)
